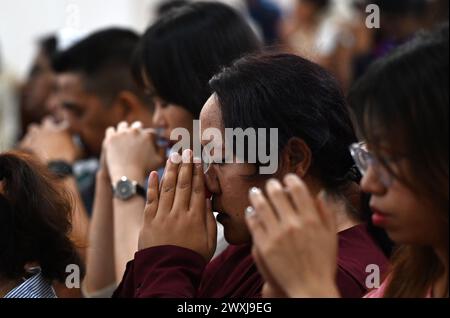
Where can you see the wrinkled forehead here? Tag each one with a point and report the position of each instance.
(211, 117)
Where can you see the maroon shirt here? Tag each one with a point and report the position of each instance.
(172, 271)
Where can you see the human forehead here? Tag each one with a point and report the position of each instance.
(211, 115)
(70, 82)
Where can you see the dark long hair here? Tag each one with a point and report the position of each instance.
(35, 216)
(187, 46)
(401, 105)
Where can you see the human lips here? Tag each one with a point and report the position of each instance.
(379, 218)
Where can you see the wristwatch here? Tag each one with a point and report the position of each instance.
(125, 189)
(60, 168)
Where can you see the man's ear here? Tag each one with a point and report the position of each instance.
(297, 156)
(131, 106)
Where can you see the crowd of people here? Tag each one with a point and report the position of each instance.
(356, 207)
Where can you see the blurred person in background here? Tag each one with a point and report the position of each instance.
(39, 84)
(313, 31)
(399, 22)
(9, 112)
(303, 32)
(95, 90)
(267, 15)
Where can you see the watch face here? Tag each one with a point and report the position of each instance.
(125, 189)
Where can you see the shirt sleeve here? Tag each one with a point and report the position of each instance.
(162, 272)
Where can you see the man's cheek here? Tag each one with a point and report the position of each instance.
(236, 199)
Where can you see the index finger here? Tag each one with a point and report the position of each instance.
(168, 183)
(301, 197)
(184, 182)
(197, 203)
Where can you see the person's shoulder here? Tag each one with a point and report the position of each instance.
(358, 256)
(34, 287)
(358, 241)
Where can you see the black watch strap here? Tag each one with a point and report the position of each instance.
(140, 190)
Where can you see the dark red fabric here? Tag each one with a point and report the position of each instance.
(357, 249)
(171, 271)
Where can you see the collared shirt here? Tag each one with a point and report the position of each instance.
(34, 287)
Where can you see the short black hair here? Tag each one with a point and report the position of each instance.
(300, 99)
(105, 59)
(49, 45)
(187, 46)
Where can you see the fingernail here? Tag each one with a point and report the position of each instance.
(175, 157)
(186, 156)
(254, 191)
(273, 183)
(136, 124)
(291, 177)
(249, 211)
(197, 160)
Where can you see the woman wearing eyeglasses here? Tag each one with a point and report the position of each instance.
(304, 103)
(401, 109)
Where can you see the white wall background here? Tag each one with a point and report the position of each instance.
(22, 22)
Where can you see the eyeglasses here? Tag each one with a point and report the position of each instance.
(364, 159)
